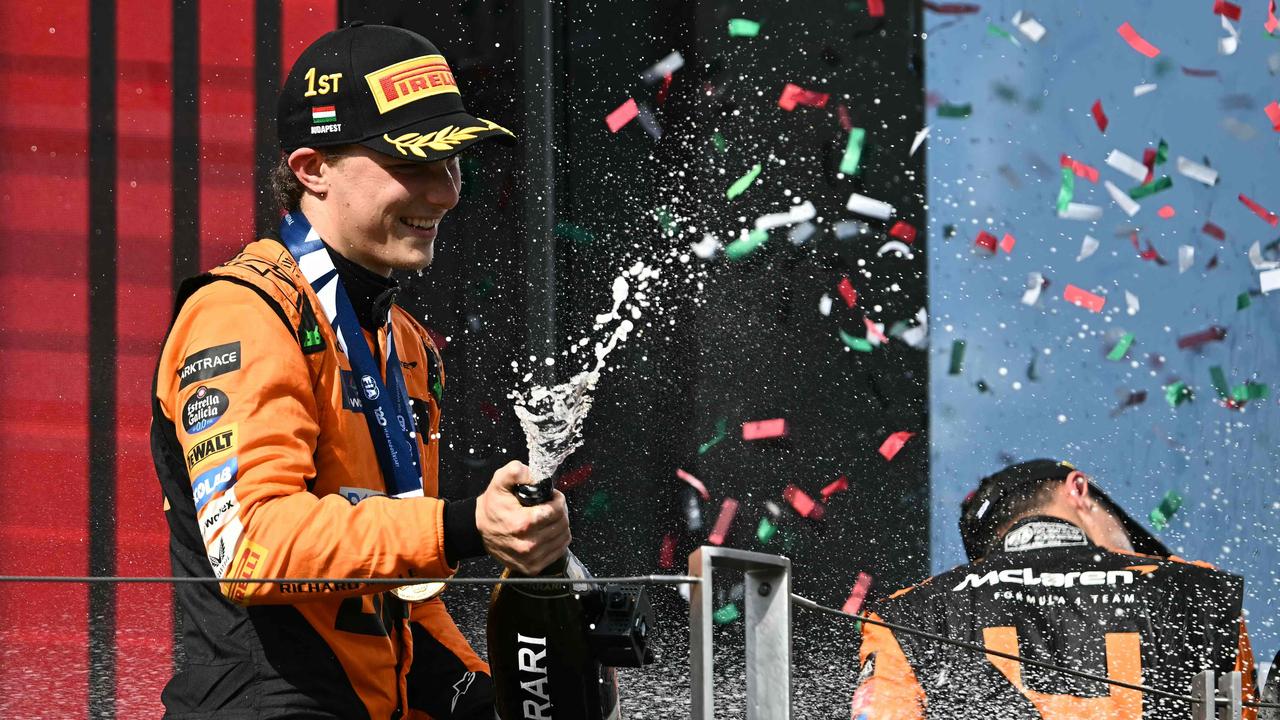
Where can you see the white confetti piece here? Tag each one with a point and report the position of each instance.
(797, 214)
(1081, 211)
(920, 136)
(824, 304)
(1131, 301)
(898, 246)
(706, 247)
(1035, 284)
(870, 207)
(846, 229)
(1125, 202)
(1255, 257)
(1127, 165)
(1088, 247)
(1270, 280)
(1197, 172)
(1033, 30)
(1228, 45)
(1186, 256)
(1143, 89)
(663, 68)
(801, 233)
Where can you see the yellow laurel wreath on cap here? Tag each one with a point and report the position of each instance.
(442, 140)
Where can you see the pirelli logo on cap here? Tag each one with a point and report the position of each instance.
(404, 82)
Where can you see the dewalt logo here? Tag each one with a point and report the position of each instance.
(211, 446)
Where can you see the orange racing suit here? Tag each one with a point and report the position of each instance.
(269, 470)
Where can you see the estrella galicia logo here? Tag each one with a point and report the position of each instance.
(210, 483)
(209, 363)
(370, 387)
(204, 409)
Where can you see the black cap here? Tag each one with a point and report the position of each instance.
(383, 87)
(978, 512)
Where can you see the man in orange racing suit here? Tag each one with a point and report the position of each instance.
(297, 411)
(1062, 575)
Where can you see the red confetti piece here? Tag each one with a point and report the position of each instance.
(793, 95)
(903, 231)
(873, 331)
(1229, 10)
(955, 8)
(1079, 168)
(1214, 333)
(667, 556)
(875, 8)
(986, 241)
(1083, 298)
(1214, 231)
(1273, 114)
(728, 509)
(846, 120)
(764, 429)
(1136, 41)
(1006, 244)
(1260, 211)
(1149, 160)
(573, 478)
(859, 593)
(695, 482)
(490, 411)
(838, 485)
(1150, 253)
(625, 113)
(802, 503)
(1166, 212)
(1099, 116)
(892, 444)
(1272, 21)
(847, 292)
(665, 89)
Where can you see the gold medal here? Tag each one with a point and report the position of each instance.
(419, 592)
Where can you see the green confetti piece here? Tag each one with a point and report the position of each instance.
(853, 152)
(855, 343)
(957, 358)
(1219, 381)
(1068, 189)
(744, 246)
(742, 27)
(718, 140)
(948, 110)
(766, 531)
(1162, 152)
(1249, 391)
(993, 29)
(1122, 347)
(740, 185)
(1164, 183)
(578, 234)
(1178, 393)
(1243, 301)
(1168, 506)
(722, 432)
(598, 504)
(665, 219)
(726, 614)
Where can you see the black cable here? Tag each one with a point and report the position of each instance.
(807, 603)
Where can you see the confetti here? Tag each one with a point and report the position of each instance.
(1083, 298)
(855, 343)
(793, 95)
(949, 110)
(1273, 114)
(1131, 303)
(1197, 172)
(957, 358)
(1186, 254)
(986, 241)
(896, 246)
(1226, 9)
(1134, 399)
(1272, 22)
(742, 27)
(1140, 90)
(1168, 506)
(694, 482)
(648, 122)
(571, 479)
(726, 614)
(745, 245)
(664, 91)
(1167, 212)
(1035, 284)
(1149, 189)
(1079, 168)
(1067, 190)
(846, 120)
(1126, 203)
(718, 140)
(740, 185)
(1214, 231)
(892, 445)
(764, 429)
(955, 8)
(1214, 333)
(728, 509)
(903, 231)
(824, 305)
(847, 292)
(919, 140)
(667, 555)
(875, 8)
(1136, 42)
(1219, 380)
(1198, 72)
(1231, 43)
(765, 530)
(846, 229)
(875, 331)
(1178, 393)
(838, 485)
(1127, 165)
(859, 593)
(1099, 117)
(1006, 243)
(706, 247)
(1121, 348)
(1256, 259)
(625, 113)
(802, 503)
(1267, 216)
(993, 29)
(802, 232)
(599, 504)
(692, 511)
(1269, 281)
(1241, 394)
(722, 432)
(853, 152)
(1081, 211)
(1087, 247)
(664, 67)
(864, 205)
(1243, 301)
(796, 214)
(1029, 27)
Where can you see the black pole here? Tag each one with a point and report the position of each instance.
(266, 82)
(539, 185)
(102, 357)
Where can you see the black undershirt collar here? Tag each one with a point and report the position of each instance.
(371, 294)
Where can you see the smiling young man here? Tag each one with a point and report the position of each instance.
(297, 411)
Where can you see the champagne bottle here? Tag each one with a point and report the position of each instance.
(542, 662)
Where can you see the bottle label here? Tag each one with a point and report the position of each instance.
(531, 660)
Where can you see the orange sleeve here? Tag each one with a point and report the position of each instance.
(1244, 665)
(249, 469)
(888, 690)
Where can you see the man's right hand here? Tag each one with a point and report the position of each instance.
(525, 539)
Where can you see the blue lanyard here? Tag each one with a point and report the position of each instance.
(386, 406)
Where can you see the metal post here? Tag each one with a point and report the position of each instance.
(1202, 689)
(768, 631)
(1229, 687)
(537, 17)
